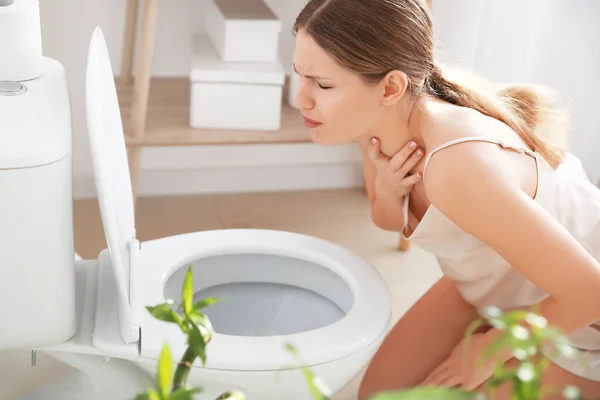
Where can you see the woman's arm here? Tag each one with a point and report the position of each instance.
(386, 210)
(473, 191)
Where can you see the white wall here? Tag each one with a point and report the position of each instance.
(496, 38)
(66, 29)
(551, 42)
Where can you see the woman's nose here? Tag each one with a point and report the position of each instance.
(303, 99)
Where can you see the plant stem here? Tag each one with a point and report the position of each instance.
(183, 369)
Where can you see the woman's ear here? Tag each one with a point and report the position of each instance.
(395, 84)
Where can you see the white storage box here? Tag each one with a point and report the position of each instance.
(243, 30)
(233, 95)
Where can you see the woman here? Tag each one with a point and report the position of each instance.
(478, 176)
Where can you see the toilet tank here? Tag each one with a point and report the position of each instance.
(37, 271)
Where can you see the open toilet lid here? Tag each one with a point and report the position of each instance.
(111, 168)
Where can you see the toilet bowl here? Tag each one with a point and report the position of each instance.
(274, 288)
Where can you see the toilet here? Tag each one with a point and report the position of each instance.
(275, 288)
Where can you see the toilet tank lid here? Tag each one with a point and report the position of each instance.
(35, 119)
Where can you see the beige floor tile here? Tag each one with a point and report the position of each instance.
(18, 376)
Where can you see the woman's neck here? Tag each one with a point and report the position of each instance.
(407, 122)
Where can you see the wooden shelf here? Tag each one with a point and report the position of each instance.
(167, 122)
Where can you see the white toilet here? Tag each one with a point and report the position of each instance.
(275, 287)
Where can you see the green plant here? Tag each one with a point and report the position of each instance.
(526, 344)
(197, 328)
(318, 388)
(524, 333)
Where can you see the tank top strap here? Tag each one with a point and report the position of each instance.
(499, 142)
(405, 212)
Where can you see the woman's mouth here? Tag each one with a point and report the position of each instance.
(309, 123)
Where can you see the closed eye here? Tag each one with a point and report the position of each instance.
(313, 77)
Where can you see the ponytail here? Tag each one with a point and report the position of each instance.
(530, 110)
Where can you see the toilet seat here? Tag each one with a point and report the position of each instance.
(132, 275)
(163, 257)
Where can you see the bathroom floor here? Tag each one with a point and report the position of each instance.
(340, 216)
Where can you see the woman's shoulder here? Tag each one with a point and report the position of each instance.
(456, 123)
(466, 135)
(462, 156)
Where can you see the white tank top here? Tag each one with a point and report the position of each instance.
(481, 275)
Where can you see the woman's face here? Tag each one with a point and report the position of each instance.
(338, 105)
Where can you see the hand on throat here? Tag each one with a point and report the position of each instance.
(400, 125)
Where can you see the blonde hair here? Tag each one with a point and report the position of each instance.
(374, 37)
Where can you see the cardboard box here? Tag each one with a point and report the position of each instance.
(243, 30)
(233, 95)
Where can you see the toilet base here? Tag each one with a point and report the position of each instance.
(72, 386)
(289, 384)
(96, 378)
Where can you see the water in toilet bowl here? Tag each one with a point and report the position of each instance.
(267, 309)
(265, 294)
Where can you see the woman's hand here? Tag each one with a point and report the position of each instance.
(392, 178)
(465, 368)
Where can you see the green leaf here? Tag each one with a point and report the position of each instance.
(205, 303)
(197, 342)
(427, 393)
(555, 334)
(473, 326)
(543, 366)
(317, 387)
(150, 395)
(495, 347)
(156, 396)
(184, 393)
(515, 317)
(291, 348)
(187, 294)
(164, 313)
(165, 372)
(501, 375)
(200, 319)
(231, 395)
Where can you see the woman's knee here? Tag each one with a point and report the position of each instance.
(370, 387)
(419, 341)
(364, 391)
